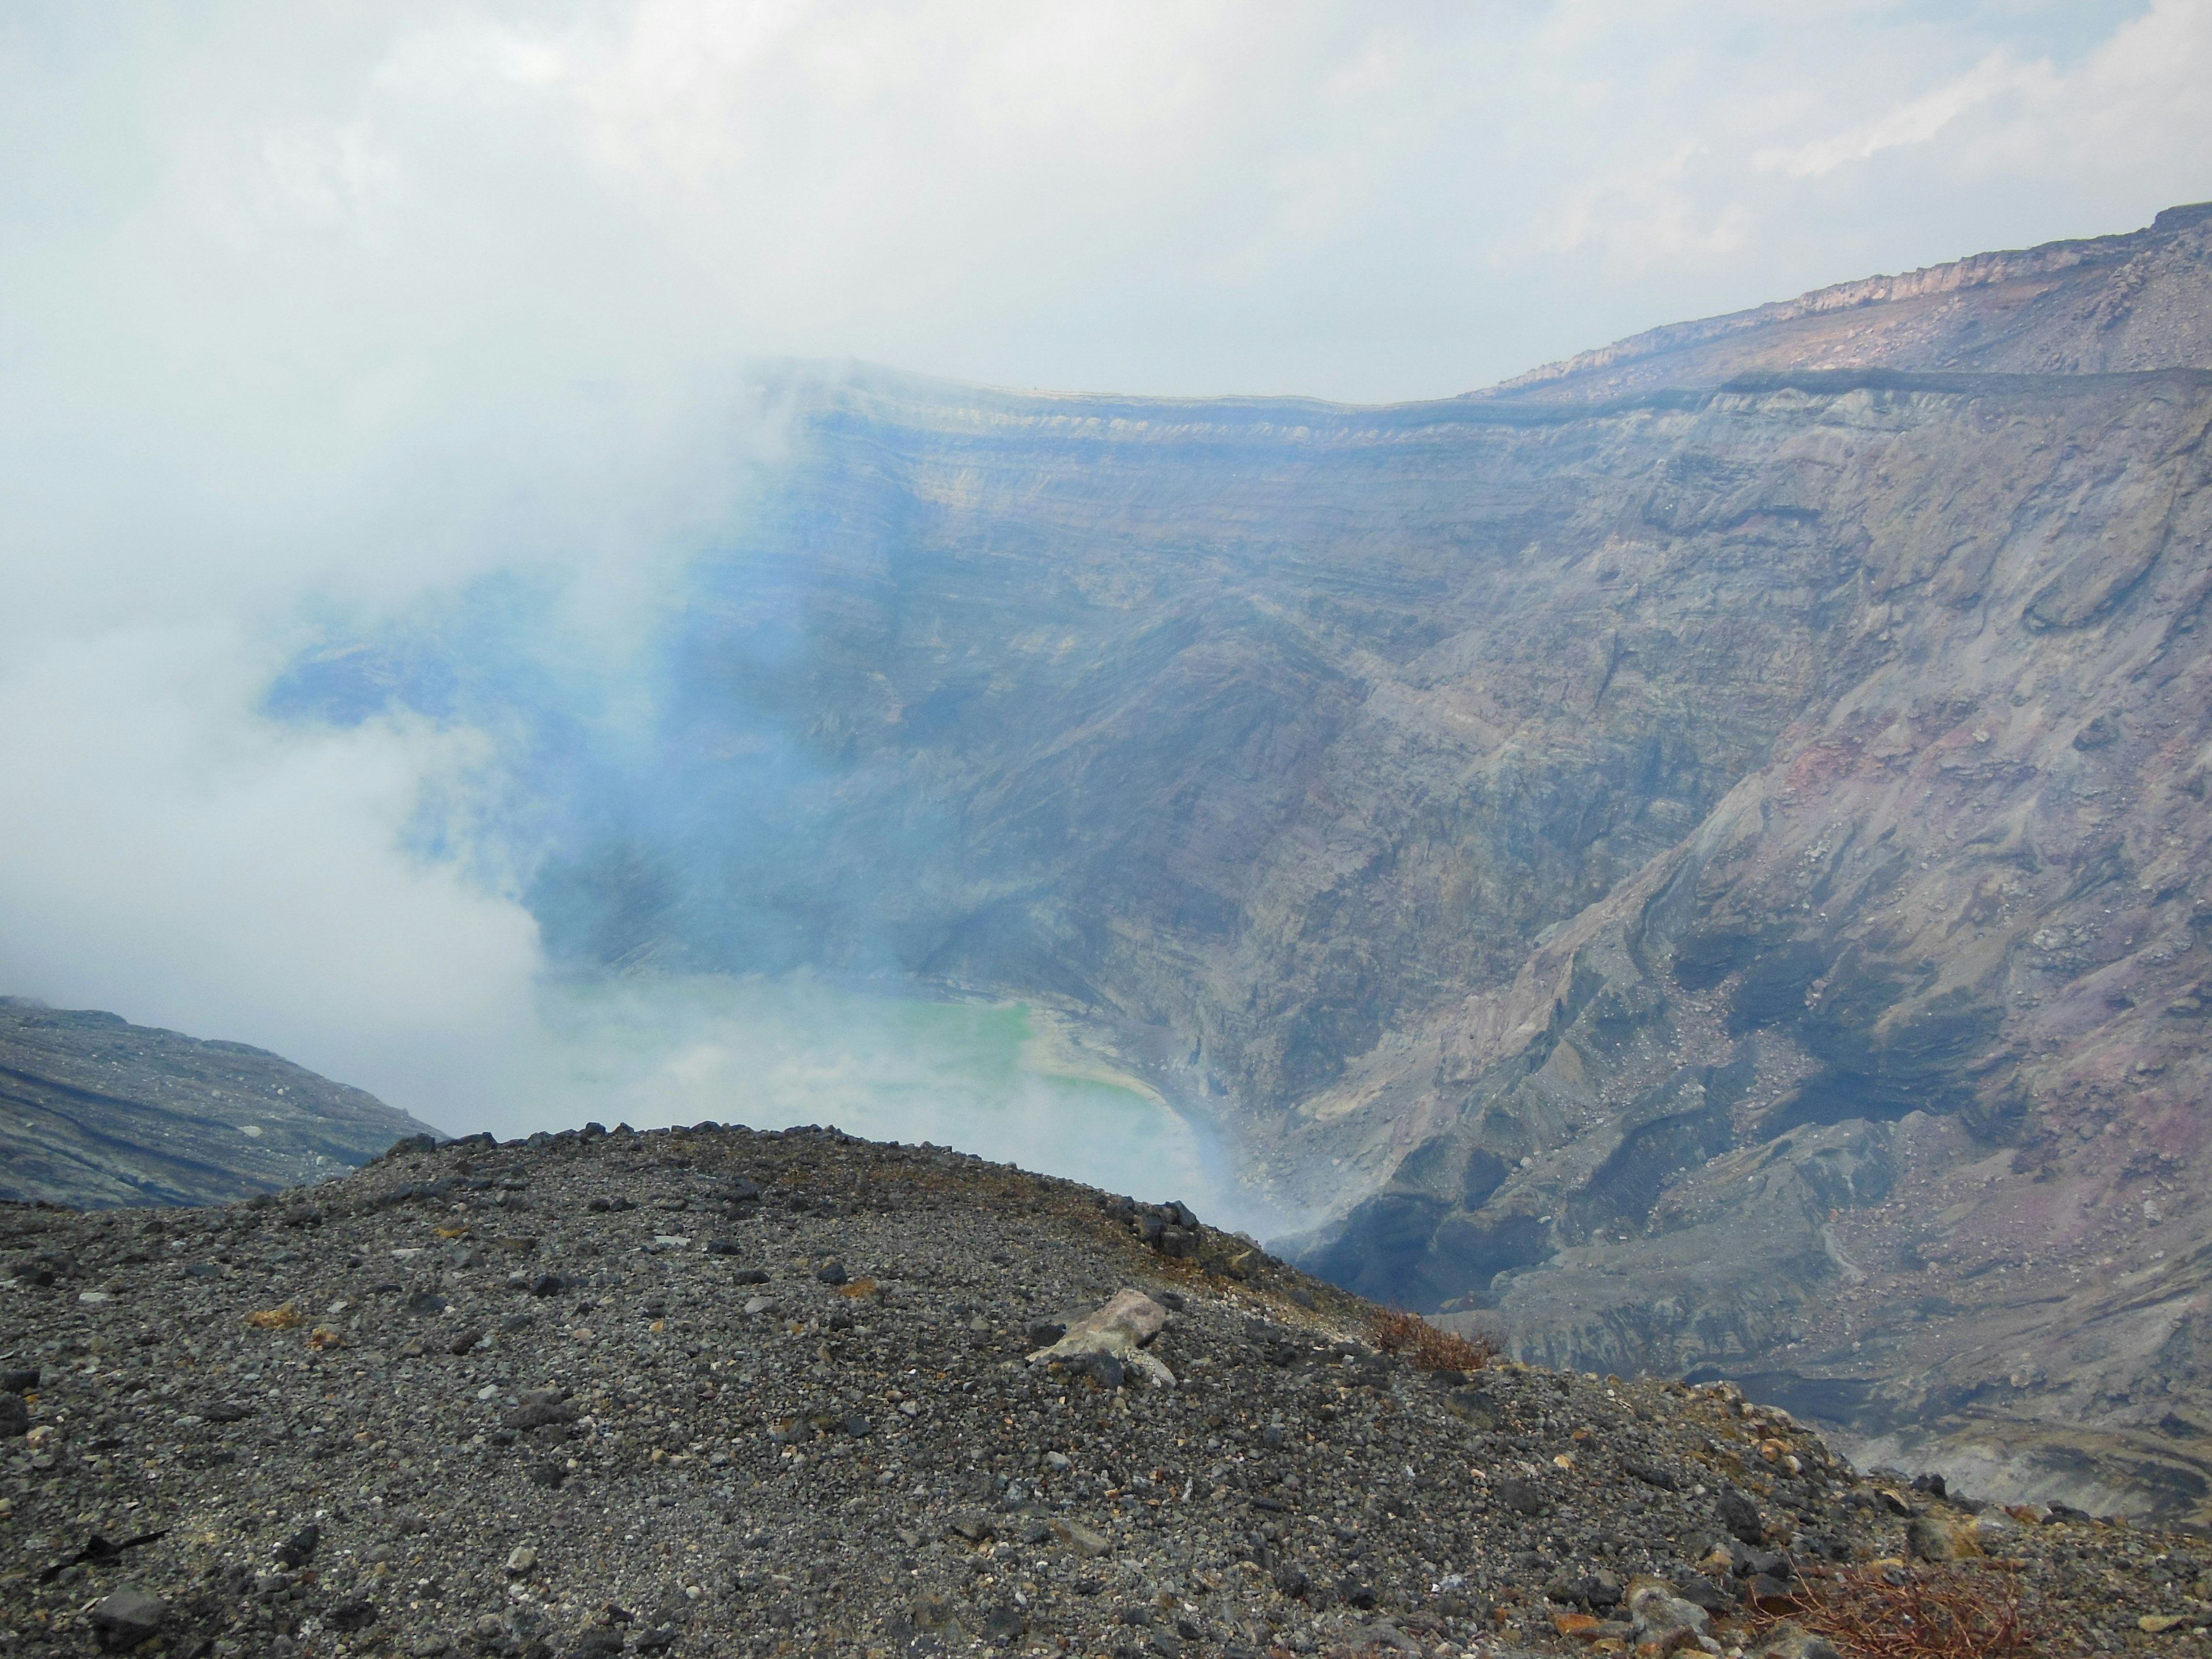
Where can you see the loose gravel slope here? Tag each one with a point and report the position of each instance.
(711, 1391)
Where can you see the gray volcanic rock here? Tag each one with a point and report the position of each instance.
(1884, 1084)
(1712, 878)
(2105, 304)
(301, 1456)
(94, 1111)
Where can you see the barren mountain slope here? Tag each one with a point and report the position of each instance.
(1887, 1081)
(2108, 303)
(95, 1111)
(1711, 878)
(708, 1392)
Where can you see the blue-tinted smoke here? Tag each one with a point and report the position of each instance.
(680, 801)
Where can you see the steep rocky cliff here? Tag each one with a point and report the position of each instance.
(1693, 870)
(2111, 303)
(95, 1111)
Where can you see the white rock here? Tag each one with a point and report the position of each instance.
(1119, 1329)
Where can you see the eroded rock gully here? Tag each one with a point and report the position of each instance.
(1688, 874)
(706, 1391)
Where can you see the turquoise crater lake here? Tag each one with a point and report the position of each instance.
(1005, 1081)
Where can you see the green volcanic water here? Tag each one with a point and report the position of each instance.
(987, 1078)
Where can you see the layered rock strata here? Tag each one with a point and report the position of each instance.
(96, 1111)
(2092, 306)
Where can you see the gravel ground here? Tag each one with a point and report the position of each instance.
(711, 1391)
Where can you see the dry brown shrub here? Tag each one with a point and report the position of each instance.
(1429, 1348)
(1900, 1613)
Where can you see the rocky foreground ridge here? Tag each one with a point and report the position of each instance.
(1708, 878)
(94, 1111)
(708, 1391)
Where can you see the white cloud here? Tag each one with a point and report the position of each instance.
(172, 855)
(2134, 108)
(1918, 121)
(329, 176)
(1203, 197)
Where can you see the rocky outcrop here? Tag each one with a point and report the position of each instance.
(1886, 1083)
(95, 1111)
(1706, 878)
(2104, 305)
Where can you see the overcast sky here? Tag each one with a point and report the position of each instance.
(314, 303)
(1352, 200)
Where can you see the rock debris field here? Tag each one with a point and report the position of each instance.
(711, 1391)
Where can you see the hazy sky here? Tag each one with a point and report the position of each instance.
(1357, 200)
(304, 304)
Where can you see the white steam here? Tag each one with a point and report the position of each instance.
(307, 311)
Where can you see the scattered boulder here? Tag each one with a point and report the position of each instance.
(352, 1614)
(1663, 1619)
(124, 1618)
(1523, 1497)
(1934, 1537)
(1085, 1541)
(1789, 1641)
(1651, 1475)
(1118, 1332)
(540, 1411)
(1739, 1516)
